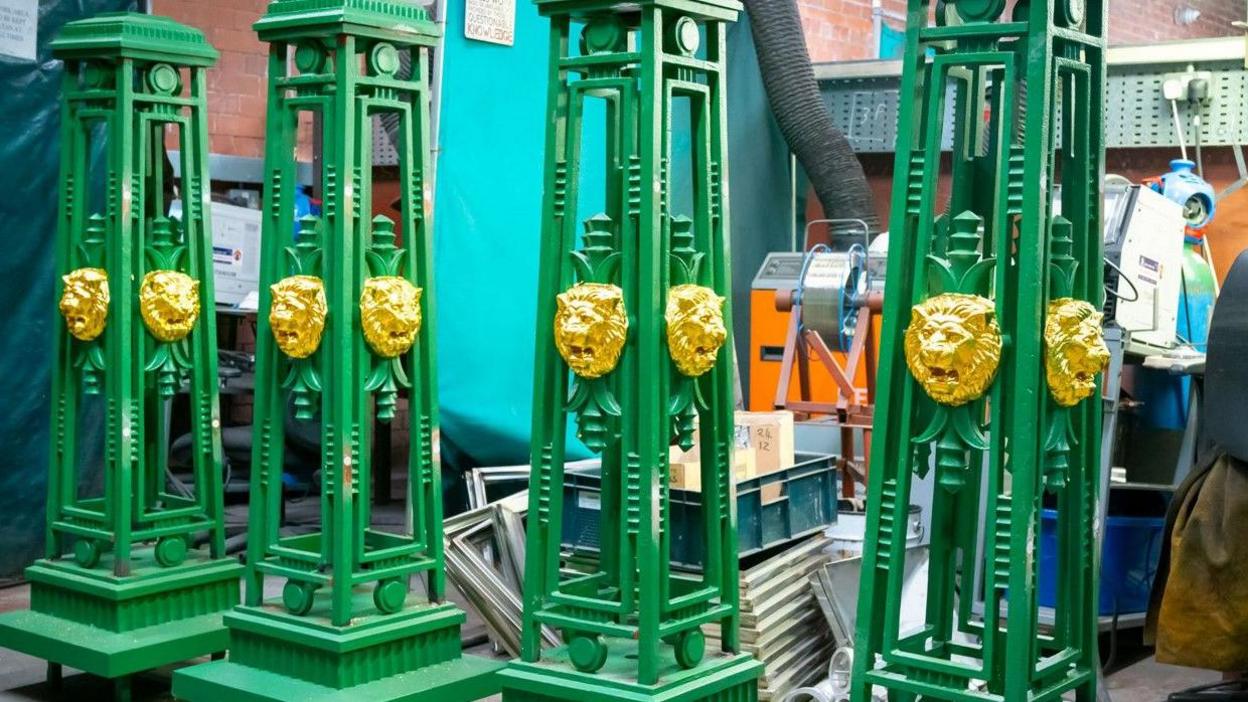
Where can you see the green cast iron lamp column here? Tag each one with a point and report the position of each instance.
(345, 330)
(123, 587)
(633, 341)
(990, 358)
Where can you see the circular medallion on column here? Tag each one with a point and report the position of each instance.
(979, 10)
(1071, 12)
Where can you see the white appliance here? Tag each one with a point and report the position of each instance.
(235, 251)
(1144, 234)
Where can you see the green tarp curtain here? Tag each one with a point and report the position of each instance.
(30, 121)
(488, 216)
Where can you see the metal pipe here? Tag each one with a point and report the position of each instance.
(435, 106)
(793, 201)
(877, 25)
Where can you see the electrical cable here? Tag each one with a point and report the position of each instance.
(1122, 277)
(1178, 128)
(858, 256)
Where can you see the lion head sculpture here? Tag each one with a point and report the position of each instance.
(297, 315)
(169, 303)
(84, 302)
(390, 314)
(953, 347)
(1074, 350)
(591, 326)
(695, 328)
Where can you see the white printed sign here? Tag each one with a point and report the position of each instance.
(19, 28)
(488, 20)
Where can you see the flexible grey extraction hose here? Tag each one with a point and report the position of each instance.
(823, 150)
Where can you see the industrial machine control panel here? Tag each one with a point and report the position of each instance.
(780, 271)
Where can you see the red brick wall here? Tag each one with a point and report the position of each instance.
(836, 30)
(1228, 234)
(1135, 22)
(841, 30)
(236, 85)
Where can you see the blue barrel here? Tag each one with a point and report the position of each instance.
(1129, 559)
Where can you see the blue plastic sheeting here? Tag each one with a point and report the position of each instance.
(488, 217)
(29, 165)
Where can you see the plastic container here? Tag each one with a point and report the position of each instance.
(771, 509)
(849, 532)
(1129, 559)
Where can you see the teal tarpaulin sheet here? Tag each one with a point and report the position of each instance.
(892, 42)
(29, 165)
(488, 217)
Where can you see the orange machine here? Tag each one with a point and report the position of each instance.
(769, 327)
(815, 330)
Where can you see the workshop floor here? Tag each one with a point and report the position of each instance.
(22, 677)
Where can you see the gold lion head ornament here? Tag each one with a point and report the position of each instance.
(297, 314)
(169, 303)
(695, 328)
(591, 326)
(84, 302)
(1074, 350)
(390, 314)
(953, 347)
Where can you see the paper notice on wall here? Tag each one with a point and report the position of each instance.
(488, 20)
(19, 28)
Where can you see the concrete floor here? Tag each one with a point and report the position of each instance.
(22, 677)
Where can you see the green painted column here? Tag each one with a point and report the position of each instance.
(633, 340)
(135, 575)
(991, 356)
(346, 329)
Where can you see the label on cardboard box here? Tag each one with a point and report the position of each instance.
(771, 436)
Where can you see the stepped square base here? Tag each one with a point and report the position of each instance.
(463, 679)
(114, 626)
(719, 678)
(410, 656)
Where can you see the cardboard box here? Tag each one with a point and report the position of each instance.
(770, 434)
(771, 492)
(685, 468)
